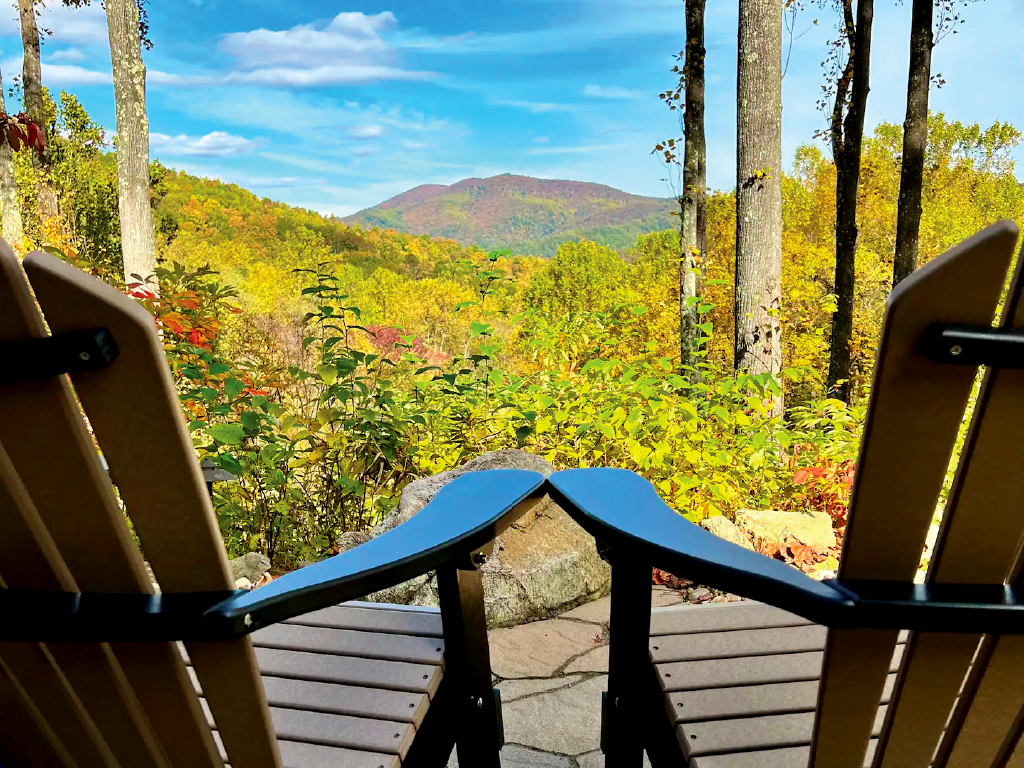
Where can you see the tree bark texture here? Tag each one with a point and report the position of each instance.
(694, 183)
(846, 148)
(758, 342)
(915, 141)
(32, 87)
(138, 244)
(11, 227)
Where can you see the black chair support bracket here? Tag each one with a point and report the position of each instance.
(71, 352)
(974, 345)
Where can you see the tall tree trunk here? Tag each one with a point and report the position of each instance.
(694, 172)
(915, 141)
(847, 138)
(138, 244)
(32, 86)
(758, 342)
(10, 207)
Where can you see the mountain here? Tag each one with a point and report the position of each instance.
(523, 214)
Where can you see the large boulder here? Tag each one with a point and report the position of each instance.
(768, 527)
(542, 564)
(724, 528)
(251, 566)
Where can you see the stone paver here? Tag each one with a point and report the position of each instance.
(597, 612)
(595, 661)
(518, 757)
(566, 721)
(516, 689)
(596, 760)
(540, 648)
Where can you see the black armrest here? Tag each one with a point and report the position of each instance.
(463, 518)
(625, 513)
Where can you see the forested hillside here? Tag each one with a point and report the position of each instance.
(526, 215)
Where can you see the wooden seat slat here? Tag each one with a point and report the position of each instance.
(347, 699)
(349, 670)
(375, 619)
(24, 731)
(788, 757)
(338, 731)
(346, 642)
(296, 754)
(749, 700)
(720, 617)
(333, 698)
(748, 733)
(742, 642)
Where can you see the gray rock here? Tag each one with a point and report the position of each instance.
(700, 594)
(251, 566)
(724, 528)
(810, 527)
(538, 649)
(517, 689)
(540, 565)
(595, 661)
(512, 756)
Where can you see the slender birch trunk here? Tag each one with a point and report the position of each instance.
(758, 341)
(694, 172)
(32, 86)
(138, 242)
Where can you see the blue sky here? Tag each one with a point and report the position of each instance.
(337, 106)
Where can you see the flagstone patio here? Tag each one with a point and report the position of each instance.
(551, 674)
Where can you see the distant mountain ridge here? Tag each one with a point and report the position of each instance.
(524, 214)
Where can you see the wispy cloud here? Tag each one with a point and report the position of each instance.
(417, 146)
(609, 92)
(366, 132)
(536, 107)
(77, 26)
(541, 140)
(67, 54)
(216, 144)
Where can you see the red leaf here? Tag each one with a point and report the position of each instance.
(801, 476)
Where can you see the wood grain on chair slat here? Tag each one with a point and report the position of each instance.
(743, 642)
(749, 700)
(371, 673)
(720, 617)
(748, 733)
(977, 544)
(25, 732)
(915, 411)
(344, 642)
(790, 757)
(395, 622)
(296, 754)
(138, 421)
(43, 433)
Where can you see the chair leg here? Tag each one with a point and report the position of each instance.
(626, 703)
(475, 707)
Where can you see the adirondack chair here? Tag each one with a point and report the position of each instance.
(97, 671)
(905, 675)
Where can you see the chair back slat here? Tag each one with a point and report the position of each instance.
(915, 410)
(135, 413)
(977, 544)
(24, 730)
(56, 463)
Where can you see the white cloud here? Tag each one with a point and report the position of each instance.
(536, 107)
(350, 37)
(71, 74)
(365, 132)
(609, 92)
(216, 144)
(67, 54)
(416, 146)
(365, 151)
(81, 26)
(350, 49)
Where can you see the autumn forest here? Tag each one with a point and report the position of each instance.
(718, 343)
